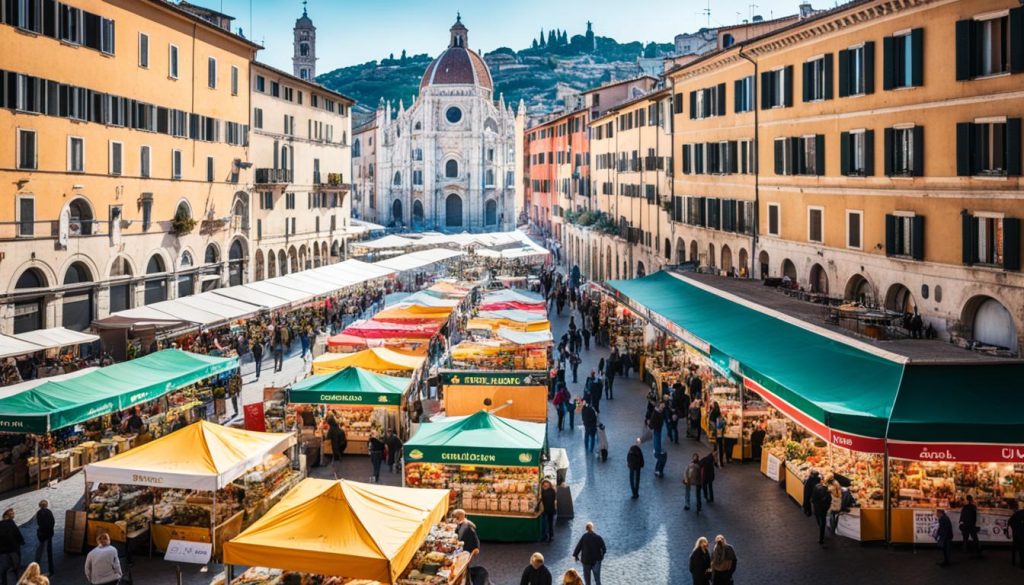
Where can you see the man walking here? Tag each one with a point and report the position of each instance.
(691, 479)
(102, 566)
(635, 462)
(589, 417)
(590, 551)
(707, 476)
(1016, 524)
(11, 542)
(594, 391)
(944, 535)
(821, 501)
(549, 505)
(609, 374)
(278, 346)
(969, 526)
(257, 354)
(44, 534)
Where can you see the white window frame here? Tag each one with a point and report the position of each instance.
(105, 25)
(809, 145)
(821, 210)
(35, 149)
(989, 149)
(145, 165)
(818, 81)
(858, 137)
(143, 54)
(986, 18)
(176, 162)
(17, 213)
(858, 80)
(778, 219)
(899, 250)
(71, 158)
(779, 88)
(110, 158)
(860, 225)
(997, 219)
(79, 24)
(173, 61)
(787, 156)
(211, 72)
(898, 131)
(234, 80)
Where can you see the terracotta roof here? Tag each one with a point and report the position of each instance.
(614, 83)
(457, 66)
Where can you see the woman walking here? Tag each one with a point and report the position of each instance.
(700, 562)
(723, 562)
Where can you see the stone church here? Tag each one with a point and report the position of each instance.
(448, 162)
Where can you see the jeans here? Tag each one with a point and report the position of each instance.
(608, 382)
(561, 416)
(572, 417)
(595, 569)
(46, 543)
(376, 458)
(821, 518)
(634, 481)
(697, 489)
(278, 358)
(548, 526)
(709, 490)
(661, 458)
(672, 431)
(589, 439)
(946, 547)
(575, 376)
(968, 536)
(656, 440)
(259, 364)
(10, 562)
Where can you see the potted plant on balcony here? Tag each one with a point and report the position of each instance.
(182, 223)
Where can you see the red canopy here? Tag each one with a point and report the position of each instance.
(372, 329)
(509, 305)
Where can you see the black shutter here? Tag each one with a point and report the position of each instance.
(698, 162)
(869, 153)
(734, 163)
(50, 18)
(918, 151)
(844, 73)
(677, 103)
(828, 76)
(12, 11)
(796, 156)
(844, 145)
(917, 237)
(888, 63)
(968, 238)
(964, 49)
(1013, 147)
(963, 149)
(1017, 39)
(736, 104)
(869, 67)
(887, 152)
(693, 105)
(779, 152)
(979, 147)
(787, 93)
(766, 90)
(819, 155)
(721, 99)
(807, 68)
(92, 30)
(687, 169)
(1011, 243)
(890, 235)
(701, 216)
(917, 57)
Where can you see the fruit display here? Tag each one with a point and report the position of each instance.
(187, 508)
(358, 421)
(927, 484)
(509, 490)
(127, 506)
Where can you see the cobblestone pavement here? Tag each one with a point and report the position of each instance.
(649, 539)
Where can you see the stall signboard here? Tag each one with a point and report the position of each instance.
(473, 378)
(254, 417)
(186, 551)
(774, 465)
(924, 526)
(457, 456)
(957, 452)
(992, 525)
(363, 398)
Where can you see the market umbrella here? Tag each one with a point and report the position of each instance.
(328, 527)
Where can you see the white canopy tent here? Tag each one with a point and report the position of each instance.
(57, 337)
(511, 296)
(12, 346)
(525, 337)
(417, 260)
(385, 243)
(514, 315)
(226, 308)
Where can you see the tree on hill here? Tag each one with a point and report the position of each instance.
(543, 42)
(551, 38)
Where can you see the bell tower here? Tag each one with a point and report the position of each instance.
(304, 59)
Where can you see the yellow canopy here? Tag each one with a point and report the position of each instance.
(496, 324)
(469, 349)
(329, 527)
(202, 456)
(449, 289)
(415, 312)
(377, 359)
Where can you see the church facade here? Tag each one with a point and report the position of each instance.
(450, 161)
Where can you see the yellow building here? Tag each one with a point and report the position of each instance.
(888, 159)
(124, 124)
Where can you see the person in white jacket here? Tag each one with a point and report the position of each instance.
(102, 566)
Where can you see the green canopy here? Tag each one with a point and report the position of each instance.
(838, 385)
(351, 385)
(55, 405)
(481, 438)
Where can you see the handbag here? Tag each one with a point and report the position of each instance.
(646, 435)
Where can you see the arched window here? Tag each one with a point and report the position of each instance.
(491, 125)
(418, 126)
(156, 288)
(397, 180)
(28, 312)
(80, 217)
(396, 211)
(417, 211)
(120, 294)
(186, 260)
(371, 170)
(260, 265)
(356, 148)
(212, 255)
(78, 305)
(491, 213)
(453, 211)
(451, 169)
(304, 49)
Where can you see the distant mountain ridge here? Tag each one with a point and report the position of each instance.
(539, 75)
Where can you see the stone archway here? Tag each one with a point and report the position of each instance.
(726, 258)
(694, 254)
(744, 264)
(260, 265)
(765, 264)
(711, 255)
(899, 298)
(680, 251)
(986, 320)
(789, 269)
(818, 280)
(858, 289)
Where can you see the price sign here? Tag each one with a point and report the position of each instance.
(184, 551)
(774, 463)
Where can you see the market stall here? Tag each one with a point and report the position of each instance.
(361, 401)
(492, 464)
(522, 395)
(510, 350)
(202, 483)
(378, 359)
(513, 299)
(334, 532)
(516, 320)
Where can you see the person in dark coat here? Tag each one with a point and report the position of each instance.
(376, 448)
(536, 573)
(394, 445)
(611, 368)
(707, 477)
(723, 562)
(257, 354)
(969, 525)
(45, 524)
(944, 536)
(11, 541)
(635, 462)
(821, 501)
(549, 505)
(594, 390)
(700, 562)
(757, 442)
(590, 551)
(1016, 525)
(339, 442)
(812, 480)
(589, 417)
(466, 531)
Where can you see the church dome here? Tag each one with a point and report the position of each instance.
(458, 65)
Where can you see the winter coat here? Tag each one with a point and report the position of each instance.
(692, 476)
(635, 457)
(821, 500)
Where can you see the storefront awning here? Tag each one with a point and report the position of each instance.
(12, 346)
(526, 337)
(341, 528)
(481, 438)
(350, 385)
(59, 404)
(418, 260)
(225, 308)
(57, 337)
(202, 456)
(374, 358)
(828, 385)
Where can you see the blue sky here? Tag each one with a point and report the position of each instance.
(351, 32)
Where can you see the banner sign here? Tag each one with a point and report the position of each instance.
(365, 398)
(472, 378)
(457, 456)
(957, 452)
(254, 419)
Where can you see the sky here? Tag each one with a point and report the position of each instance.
(355, 31)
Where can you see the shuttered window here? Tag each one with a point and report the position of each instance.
(989, 148)
(990, 46)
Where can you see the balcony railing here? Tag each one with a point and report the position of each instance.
(273, 176)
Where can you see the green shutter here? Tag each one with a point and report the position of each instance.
(964, 54)
(917, 237)
(1017, 40)
(828, 76)
(766, 90)
(1013, 147)
(963, 149)
(693, 105)
(869, 153)
(917, 57)
(869, 67)
(788, 89)
(1011, 243)
(888, 63)
(890, 235)
(969, 235)
(918, 151)
(887, 152)
(845, 152)
(844, 73)
(779, 165)
(819, 155)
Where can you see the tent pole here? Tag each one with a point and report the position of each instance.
(213, 523)
(39, 465)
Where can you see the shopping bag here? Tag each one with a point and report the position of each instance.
(646, 435)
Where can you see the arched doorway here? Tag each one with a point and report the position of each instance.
(28, 312)
(640, 270)
(453, 211)
(789, 269)
(858, 289)
(212, 267)
(156, 280)
(236, 263)
(396, 212)
(282, 263)
(293, 260)
(711, 255)
(900, 299)
(608, 264)
(323, 253)
(680, 251)
(726, 259)
(743, 268)
(271, 264)
(417, 213)
(303, 257)
(694, 254)
(185, 281)
(987, 321)
(819, 280)
(765, 266)
(491, 213)
(335, 250)
(120, 285)
(316, 255)
(668, 249)
(260, 267)
(80, 218)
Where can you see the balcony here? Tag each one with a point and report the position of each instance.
(335, 182)
(269, 177)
